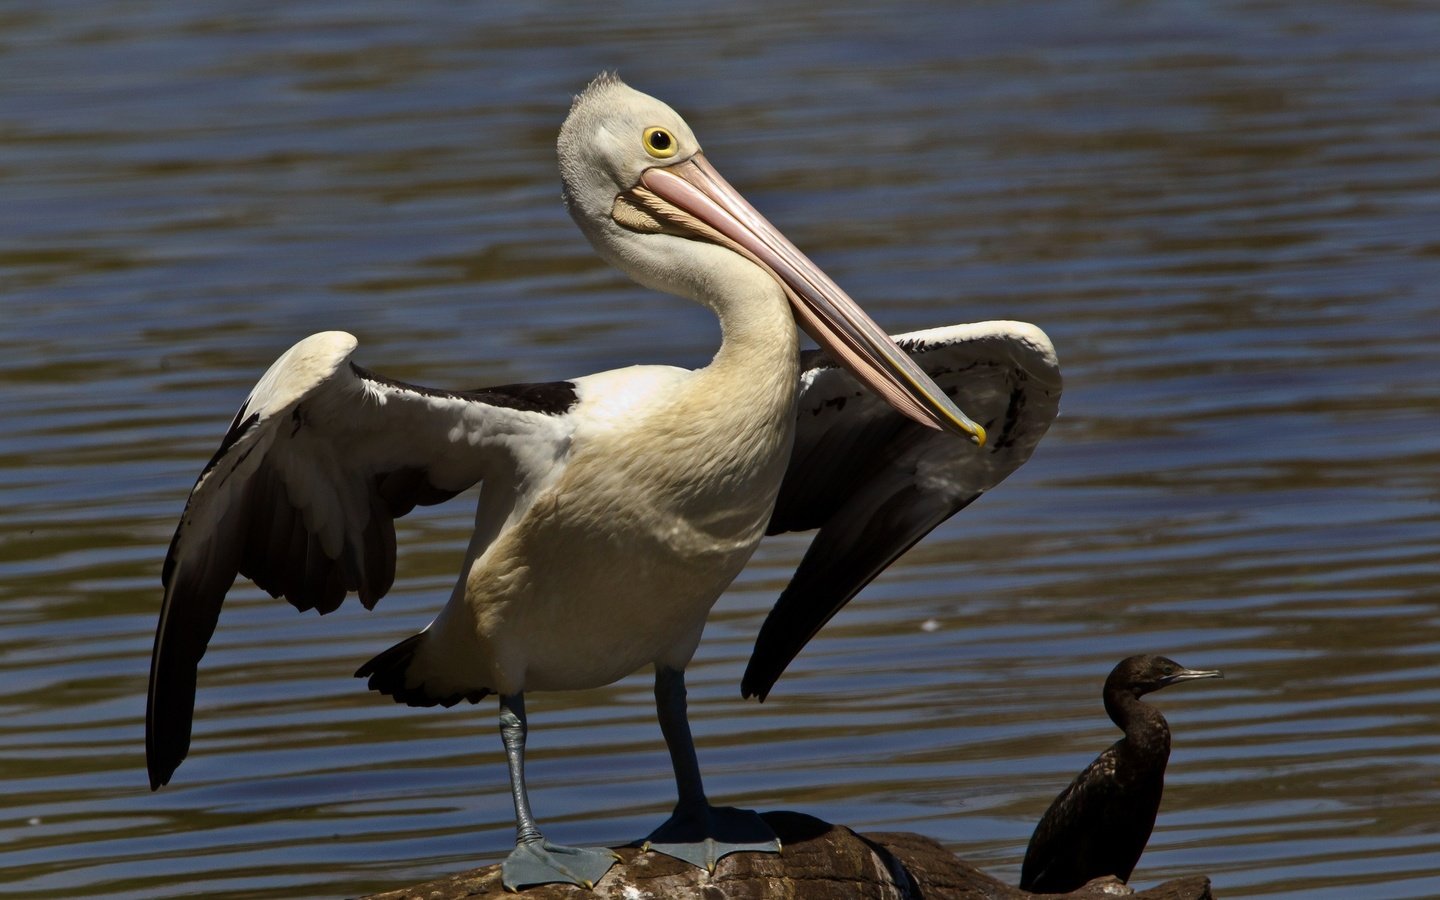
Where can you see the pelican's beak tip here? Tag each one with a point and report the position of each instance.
(973, 432)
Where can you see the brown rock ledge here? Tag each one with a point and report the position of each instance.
(821, 862)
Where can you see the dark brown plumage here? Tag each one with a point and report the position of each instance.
(1099, 825)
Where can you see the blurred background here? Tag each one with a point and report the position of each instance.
(1226, 216)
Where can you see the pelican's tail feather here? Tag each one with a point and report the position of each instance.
(388, 673)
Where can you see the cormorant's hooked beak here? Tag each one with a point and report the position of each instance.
(691, 199)
(1190, 675)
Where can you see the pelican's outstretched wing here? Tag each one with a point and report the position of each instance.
(303, 494)
(874, 482)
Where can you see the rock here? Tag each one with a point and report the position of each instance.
(821, 862)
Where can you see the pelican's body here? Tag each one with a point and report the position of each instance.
(615, 508)
(650, 502)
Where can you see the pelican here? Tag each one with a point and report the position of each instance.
(614, 509)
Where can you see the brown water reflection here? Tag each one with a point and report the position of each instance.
(1225, 217)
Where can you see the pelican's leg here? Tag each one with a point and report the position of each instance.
(534, 859)
(697, 832)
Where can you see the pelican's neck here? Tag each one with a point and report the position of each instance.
(757, 368)
(713, 446)
(759, 342)
(740, 409)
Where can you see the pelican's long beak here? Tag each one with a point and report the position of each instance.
(692, 199)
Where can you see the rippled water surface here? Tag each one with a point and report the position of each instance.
(1226, 216)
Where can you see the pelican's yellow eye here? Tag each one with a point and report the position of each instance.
(660, 143)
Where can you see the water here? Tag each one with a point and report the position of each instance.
(1225, 215)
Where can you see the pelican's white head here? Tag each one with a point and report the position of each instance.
(637, 184)
(612, 136)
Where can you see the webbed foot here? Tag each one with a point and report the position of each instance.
(701, 836)
(541, 862)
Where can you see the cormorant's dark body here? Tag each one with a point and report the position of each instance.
(1099, 825)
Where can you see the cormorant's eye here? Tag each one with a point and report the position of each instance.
(659, 142)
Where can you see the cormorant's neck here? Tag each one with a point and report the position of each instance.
(1146, 732)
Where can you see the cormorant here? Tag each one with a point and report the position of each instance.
(1099, 824)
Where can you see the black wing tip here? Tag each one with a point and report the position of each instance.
(167, 728)
(776, 646)
(387, 671)
(163, 755)
(160, 776)
(760, 677)
(170, 698)
(757, 694)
